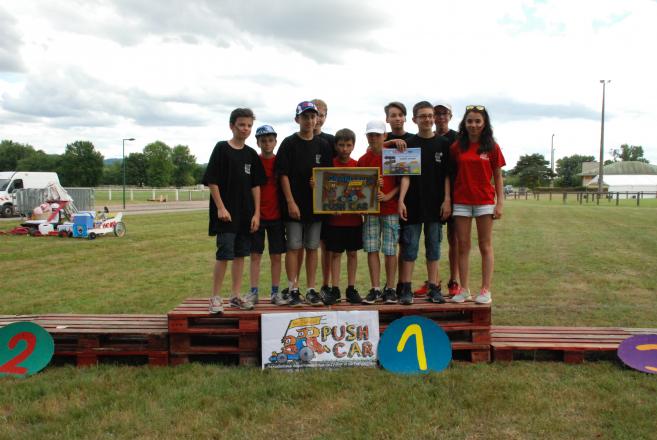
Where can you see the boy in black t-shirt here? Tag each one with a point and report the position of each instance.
(234, 175)
(295, 160)
(420, 202)
(396, 117)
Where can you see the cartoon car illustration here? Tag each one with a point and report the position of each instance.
(300, 348)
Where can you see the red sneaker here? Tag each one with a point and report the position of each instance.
(453, 287)
(422, 291)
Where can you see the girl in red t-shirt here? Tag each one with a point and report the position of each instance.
(476, 160)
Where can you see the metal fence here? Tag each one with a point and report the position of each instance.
(584, 197)
(28, 199)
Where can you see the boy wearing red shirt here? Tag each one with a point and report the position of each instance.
(381, 231)
(271, 222)
(343, 232)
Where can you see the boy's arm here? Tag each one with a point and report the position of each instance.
(400, 144)
(292, 208)
(222, 212)
(403, 189)
(499, 193)
(255, 220)
(383, 197)
(446, 208)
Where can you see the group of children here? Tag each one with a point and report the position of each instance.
(271, 195)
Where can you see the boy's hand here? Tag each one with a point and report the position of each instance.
(293, 211)
(445, 210)
(255, 223)
(383, 197)
(380, 181)
(400, 144)
(224, 215)
(312, 183)
(401, 209)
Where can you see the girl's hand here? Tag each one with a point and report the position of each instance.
(497, 212)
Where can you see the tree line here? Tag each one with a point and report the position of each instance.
(158, 165)
(533, 170)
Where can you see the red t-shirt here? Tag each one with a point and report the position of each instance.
(371, 159)
(474, 173)
(269, 204)
(344, 220)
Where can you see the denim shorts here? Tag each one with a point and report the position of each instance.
(381, 232)
(472, 210)
(275, 237)
(304, 235)
(231, 245)
(410, 241)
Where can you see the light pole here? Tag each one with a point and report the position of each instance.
(123, 154)
(602, 136)
(552, 161)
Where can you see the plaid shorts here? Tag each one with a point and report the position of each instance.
(377, 226)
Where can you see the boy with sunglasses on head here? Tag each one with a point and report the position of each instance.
(421, 202)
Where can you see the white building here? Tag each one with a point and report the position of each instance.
(628, 177)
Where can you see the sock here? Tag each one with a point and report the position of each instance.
(377, 288)
(351, 287)
(274, 289)
(254, 290)
(290, 285)
(325, 287)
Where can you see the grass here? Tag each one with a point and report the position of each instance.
(555, 265)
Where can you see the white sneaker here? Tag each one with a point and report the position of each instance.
(462, 296)
(484, 297)
(216, 305)
(252, 298)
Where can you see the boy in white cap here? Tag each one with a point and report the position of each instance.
(381, 231)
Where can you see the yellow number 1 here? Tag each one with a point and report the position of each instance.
(414, 330)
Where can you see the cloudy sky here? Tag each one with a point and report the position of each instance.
(103, 70)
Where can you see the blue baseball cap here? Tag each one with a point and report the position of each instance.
(306, 106)
(265, 129)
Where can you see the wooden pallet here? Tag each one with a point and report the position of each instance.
(91, 339)
(572, 344)
(235, 334)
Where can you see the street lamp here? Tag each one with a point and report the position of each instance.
(602, 136)
(130, 140)
(552, 161)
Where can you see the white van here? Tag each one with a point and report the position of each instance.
(10, 181)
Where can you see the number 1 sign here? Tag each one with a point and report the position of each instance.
(25, 348)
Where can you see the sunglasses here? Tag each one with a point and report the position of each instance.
(481, 108)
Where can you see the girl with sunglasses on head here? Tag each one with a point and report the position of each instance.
(475, 159)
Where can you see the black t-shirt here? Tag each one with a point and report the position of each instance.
(451, 136)
(330, 139)
(426, 192)
(296, 159)
(235, 172)
(406, 136)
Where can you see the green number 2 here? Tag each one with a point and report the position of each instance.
(414, 330)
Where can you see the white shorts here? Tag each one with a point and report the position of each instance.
(472, 210)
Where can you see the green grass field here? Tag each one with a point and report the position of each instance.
(555, 265)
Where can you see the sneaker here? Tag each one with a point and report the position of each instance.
(295, 298)
(389, 296)
(252, 298)
(406, 297)
(312, 298)
(325, 293)
(239, 303)
(279, 300)
(436, 295)
(462, 296)
(353, 296)
(285, 294)
(373, 296)
(330, 297)
(453, 287)
(216, 305)
(484, 297)
(422, 291)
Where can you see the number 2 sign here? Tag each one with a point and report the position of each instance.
(414, 344)
(25, 348)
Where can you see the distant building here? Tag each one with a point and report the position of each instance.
(625, 176)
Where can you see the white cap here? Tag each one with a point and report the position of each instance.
(375, 127)
(447, 106)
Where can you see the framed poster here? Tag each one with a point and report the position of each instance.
(293, 341)
(349, 190)
(402, 163)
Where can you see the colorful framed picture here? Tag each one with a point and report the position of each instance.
(402, 163)
(350, 190)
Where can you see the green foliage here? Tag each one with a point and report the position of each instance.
(629, 153)
(11, 153)
(568, 168)
(81, 165)
(135, 171)
(532, 170)
(183, 166)
(113, 173)
(159, 165)
(40, 161)
(199, 172)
